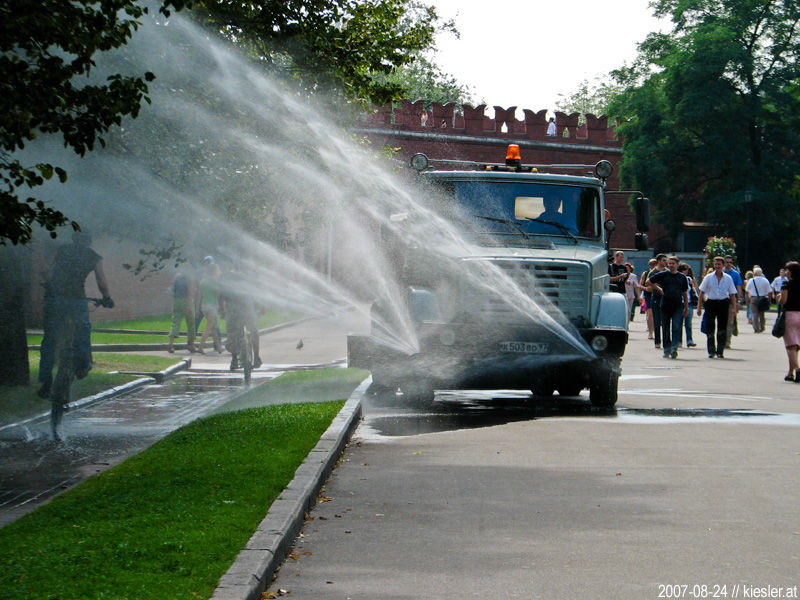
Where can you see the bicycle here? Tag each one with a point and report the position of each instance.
(241, 346)
(67, 368)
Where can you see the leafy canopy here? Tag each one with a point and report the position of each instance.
(48, 50)
(711, 111)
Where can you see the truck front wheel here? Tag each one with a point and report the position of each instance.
(603, 388)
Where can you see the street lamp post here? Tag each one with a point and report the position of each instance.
(748, 200)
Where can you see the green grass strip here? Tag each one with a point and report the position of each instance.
(168, 522)
(160, 323)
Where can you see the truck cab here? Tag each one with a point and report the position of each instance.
(518, 299)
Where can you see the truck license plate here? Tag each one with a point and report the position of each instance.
(525, 347)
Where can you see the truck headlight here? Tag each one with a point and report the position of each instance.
(599, 343)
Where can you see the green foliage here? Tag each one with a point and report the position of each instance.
(340, 47)
(710, 111)
(423, 80)
(589, 98)
(168, 522)
(48, 51)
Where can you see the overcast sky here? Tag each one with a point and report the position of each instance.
(525, 53)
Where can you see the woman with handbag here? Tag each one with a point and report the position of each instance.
(790, 300)
(759, 298)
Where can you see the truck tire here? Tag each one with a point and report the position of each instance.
(419, 394)
(542, 389)
(570, 389)
(603, 388)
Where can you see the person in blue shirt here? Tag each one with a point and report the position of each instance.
(733, 325)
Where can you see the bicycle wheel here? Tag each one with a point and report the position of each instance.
(60, 397)
(246, 356)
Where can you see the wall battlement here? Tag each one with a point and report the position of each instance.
(443, 118)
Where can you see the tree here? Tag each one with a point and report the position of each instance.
(423, 80)
(589, 98)
(711, 111)
(344, 47)
(48, 51)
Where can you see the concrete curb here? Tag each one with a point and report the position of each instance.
(105, 395)
(252, 571)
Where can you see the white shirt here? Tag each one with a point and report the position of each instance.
(777, 283)
(551, 128)
(758, 286)
(715, 289)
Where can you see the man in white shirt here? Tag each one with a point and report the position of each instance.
(718, 294)
(777, 284)
(758, 288)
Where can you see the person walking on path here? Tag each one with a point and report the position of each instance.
(183, 294)
(211, 305)
(65, 298)
(674, 291)
(759, 298)
(632, 290)
(733, 326)
(777, 286)
(648, 297)
(655, 300)
(718, 295)
(790, 301)
(687, 320)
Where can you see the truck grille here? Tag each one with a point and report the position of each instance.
(552, 285)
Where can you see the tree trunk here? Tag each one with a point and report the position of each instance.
(14, 293)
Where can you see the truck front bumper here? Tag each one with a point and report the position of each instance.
(458, 356)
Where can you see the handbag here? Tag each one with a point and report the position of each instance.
(779, 328)
(763, 302)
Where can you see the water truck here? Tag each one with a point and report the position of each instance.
(520, 300)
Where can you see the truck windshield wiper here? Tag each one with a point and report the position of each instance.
(559, 226)
(510, 223)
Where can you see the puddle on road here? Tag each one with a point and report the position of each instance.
(471, 410)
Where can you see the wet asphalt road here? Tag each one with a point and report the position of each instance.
(692, 481)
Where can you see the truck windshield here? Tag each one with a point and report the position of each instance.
(514, 209)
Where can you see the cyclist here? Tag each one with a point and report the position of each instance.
(240, 311)
(65, 298)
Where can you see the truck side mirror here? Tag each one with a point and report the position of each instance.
(641, 207)
(640, 242)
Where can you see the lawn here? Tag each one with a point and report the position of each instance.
(21, 402)
(168, 522)
(161, 323)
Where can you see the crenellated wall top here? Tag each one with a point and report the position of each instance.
(468, 120)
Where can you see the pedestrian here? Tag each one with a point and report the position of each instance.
(551, 127)
(747, 277)
(618, 273)
(718, 296)
(759, 298)
(790, 301)
(183, 308)
(777, 284)
(632, 290)
(211, 305)
(655, 304)
(648, 297)
(674, 288)
(733, 325)
(687, 320)
(64, 300)
(240, 313)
